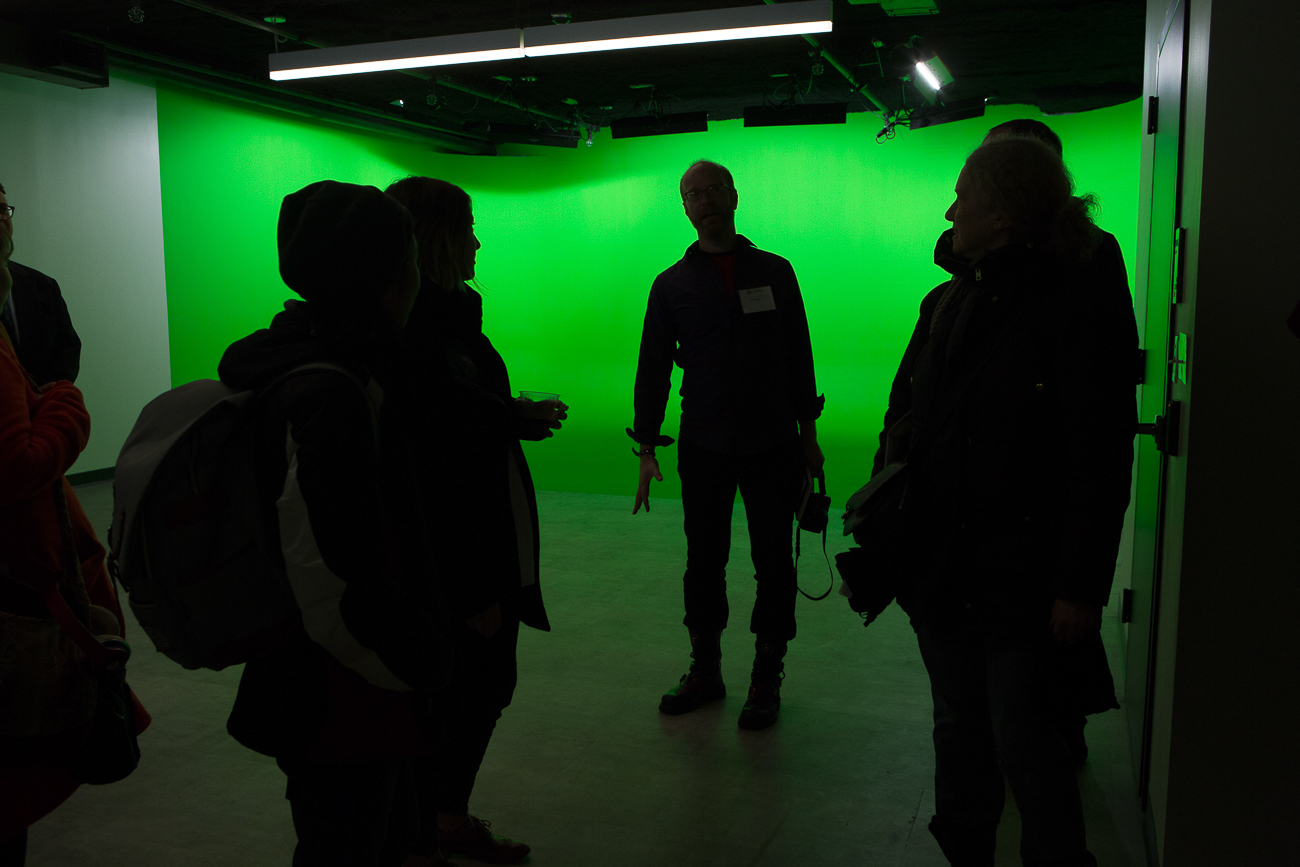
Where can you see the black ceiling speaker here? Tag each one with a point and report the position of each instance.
(932, 115)
(796, 115)
(669, 124)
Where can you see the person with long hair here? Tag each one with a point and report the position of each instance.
(481, 506)
(1017, 385)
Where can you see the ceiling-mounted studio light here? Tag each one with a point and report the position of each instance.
(934, 73)
(712, 25)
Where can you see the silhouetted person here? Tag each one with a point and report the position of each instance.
(1104, 270)
(1018, 378)
(478, 494)
(335, 705)
(37, 319)
(731, 316)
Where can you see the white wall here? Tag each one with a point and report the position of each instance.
(81, 167)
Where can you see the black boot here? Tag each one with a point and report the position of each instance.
(703, 683)
(764, 700)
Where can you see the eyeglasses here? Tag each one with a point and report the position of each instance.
(7, 210)
(713, 191)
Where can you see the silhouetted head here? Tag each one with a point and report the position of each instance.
(444, 228)
(709, 199)
(1018, 189)
(1027, 128)
(350, 252)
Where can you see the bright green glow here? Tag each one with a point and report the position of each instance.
(573, 238)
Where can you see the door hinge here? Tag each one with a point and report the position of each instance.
(1153, 114)
(1126, 606)
(1141, 366)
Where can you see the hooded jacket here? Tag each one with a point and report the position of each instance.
(1023, 417)
(333, 477)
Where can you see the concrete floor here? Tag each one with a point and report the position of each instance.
(582, 766)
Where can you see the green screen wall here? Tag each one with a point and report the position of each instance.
(573, 238)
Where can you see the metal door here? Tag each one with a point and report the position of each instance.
(1165, 371)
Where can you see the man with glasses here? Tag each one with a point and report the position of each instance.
(37, 319)
(731, 316)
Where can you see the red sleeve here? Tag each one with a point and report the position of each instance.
(40, 435)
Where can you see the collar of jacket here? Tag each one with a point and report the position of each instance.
(741, 243)
(998, 264)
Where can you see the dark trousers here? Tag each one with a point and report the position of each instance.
(769, 484)
(352, 814)
(465, 715)
(994, 712)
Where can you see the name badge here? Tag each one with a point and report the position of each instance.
(757, 300)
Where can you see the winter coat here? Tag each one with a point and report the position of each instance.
(456, 394)
(333, 472)
(1021, 395)
(41, 436)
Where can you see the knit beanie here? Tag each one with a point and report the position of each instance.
(342, 245)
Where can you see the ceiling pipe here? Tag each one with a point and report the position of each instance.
(829, 58)
(424, 76)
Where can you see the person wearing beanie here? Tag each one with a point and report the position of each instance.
(336, 704)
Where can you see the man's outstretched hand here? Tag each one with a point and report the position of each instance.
(649, 470)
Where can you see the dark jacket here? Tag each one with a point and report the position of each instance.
(747, 378)
(456, 396)
(46, 343)
(1023, 417)
(350, 469)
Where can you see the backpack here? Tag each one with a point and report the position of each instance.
(191, 541)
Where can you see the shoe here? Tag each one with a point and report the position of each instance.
(764, 701)
(703, 682)
(476, 841)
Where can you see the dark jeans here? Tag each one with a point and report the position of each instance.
(769, 483)
(994, 709)
(466, 713)
(352, 814)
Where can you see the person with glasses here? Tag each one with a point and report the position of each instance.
(36, 318)
(731, 316)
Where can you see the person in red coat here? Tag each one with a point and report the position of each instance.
(42, 431)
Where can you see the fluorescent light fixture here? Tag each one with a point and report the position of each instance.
(402, 54)
(927, 76)
(710, 25)
(681, 28)
(934, 73)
